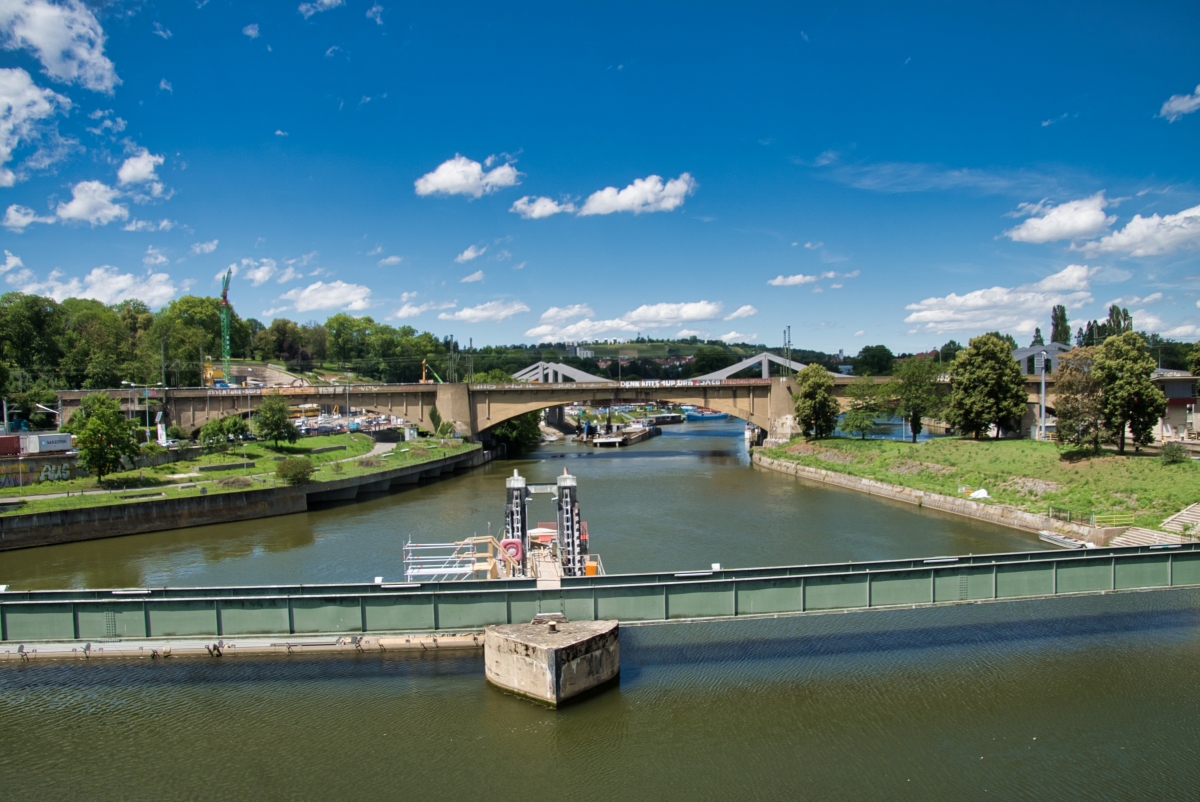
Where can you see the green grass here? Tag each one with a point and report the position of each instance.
(1024, 474)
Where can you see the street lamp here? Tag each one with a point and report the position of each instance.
(132, 406)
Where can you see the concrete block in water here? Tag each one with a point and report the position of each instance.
(552, 665)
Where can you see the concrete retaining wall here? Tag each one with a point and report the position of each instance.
(1004, 516)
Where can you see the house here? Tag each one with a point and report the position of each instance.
(1179, 387)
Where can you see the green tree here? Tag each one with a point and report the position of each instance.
(441, 428)
(295, 470)
(917, 393)
(949, 351)
(212, 436)
(1193, 360)
(1060, 327)
(866, 405)
(519, 432)
(1078, 400)
(103, 435)
(1037, 338)
(874, 360)
(1131, 400)
(709, 360)
(816, 408)
(272, 421)
(986, 387)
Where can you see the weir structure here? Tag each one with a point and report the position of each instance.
(133, 621)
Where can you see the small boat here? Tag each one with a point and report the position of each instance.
(704, 413)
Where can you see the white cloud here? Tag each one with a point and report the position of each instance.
(490, 312)
(1152, 236)
(165, 86)
(106, 124)
(93, 202)
(16, 218)
(105, 284)
(390, 260)
(561, 314)
(11, 260)
(470, 253)
(413, 310)
(860, 333)
(647, 194)
(792, 281)
(1018, 309)
(204, 247)
(317, 6)
(375, 12)
(159, 30)
(737, 336)
(288, 274)
(140, 169)
(476, 276)
(689, 333)
(251, 30)
(23, 106)
(534, 208)
(154, 257)
(332, 295)
(653, 315)
(1178, 105)
(1071, 220)
(66, 38)
(1146, 321)
(463, 176)
(1134, 300)
(280, 132)
(579, 330)
(742, 311)
(149, 225)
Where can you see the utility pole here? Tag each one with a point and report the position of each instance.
(1043, 416)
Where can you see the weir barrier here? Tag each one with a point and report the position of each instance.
(283, 615)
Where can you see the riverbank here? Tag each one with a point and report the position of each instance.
(223, 501)
(1029, 485)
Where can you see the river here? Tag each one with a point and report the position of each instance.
(1058, 699)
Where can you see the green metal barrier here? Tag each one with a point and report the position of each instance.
(355, 608)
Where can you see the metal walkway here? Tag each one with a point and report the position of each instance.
(112, 616)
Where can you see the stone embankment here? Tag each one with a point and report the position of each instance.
(112, 520)
(992, 513)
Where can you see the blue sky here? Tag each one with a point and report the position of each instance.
(864, 173)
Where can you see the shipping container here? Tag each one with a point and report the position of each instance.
(10, 445)
(45, 443)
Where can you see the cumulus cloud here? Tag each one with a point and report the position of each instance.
(149, 225)
(689, 333)
(534, 208)
(140, 168)
(1178, 105)
(737, 336)
(17, 217)
(579, 330)
(1075, 219)
(375, 12)
(251, 30)
(204, 247)
(647, 194)
(65, 37)
(463, 176)
(317, 6)
(490, 312)
(742, 311)
(1151, 236)
(11, 261)
(652, 315)
(106, 123)
(470, 253)
(331, 295)
(23, 109)
(1135, 300)
(287, 274)
(390, 260)
(1017, 309)
(801, 278)
(105, 284)
(413, 310)
(159, 30)
(476, 276)
(154, 257)
(165, 86)
(561, 314)
(259, 271)
(93, 202)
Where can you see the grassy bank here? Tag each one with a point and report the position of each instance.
(1023, 474)
(332, 467)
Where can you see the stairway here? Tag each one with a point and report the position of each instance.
(1184, 520)
(1135, 536)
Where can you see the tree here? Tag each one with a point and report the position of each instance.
(816, 409)
(1131, 400)
(949, 351)
(103, 435)
(212, 436)
(1008, 339)
(1037, 338)
(441, 428)
(986, 387)
(709, 360)
(1060, 327)
(866, 405)
(272, 421)
(1193, 360)
(1078, 400)
(917, 391)
(295, 470)
(874, 360)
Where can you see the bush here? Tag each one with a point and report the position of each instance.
(177, 432)
(294, 470)
(336, 467)
(371, 462)
(235, 481)
(1174, 453)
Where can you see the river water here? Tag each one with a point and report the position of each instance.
(1059, 699)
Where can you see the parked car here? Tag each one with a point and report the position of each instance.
(170, 444)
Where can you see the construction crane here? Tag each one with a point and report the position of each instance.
(424, 368)
(226, 309)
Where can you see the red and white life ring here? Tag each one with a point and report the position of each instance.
(512, 546)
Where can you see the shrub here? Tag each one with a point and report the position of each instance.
(371, 462)
(294, 470)
(235, 481)
(336, 467)
(1174, 453)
